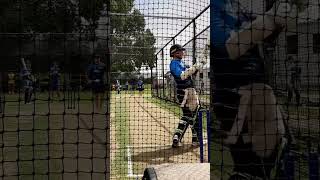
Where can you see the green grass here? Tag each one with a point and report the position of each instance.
(120, 163)
(28, 133)
(221, 161)
(40, 142)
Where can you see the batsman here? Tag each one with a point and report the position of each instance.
(27, 80)
(244, 104)
(186, 95)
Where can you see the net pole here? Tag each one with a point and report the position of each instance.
(194, 42)
(208, 134)
(162, 57)
(289, 166)
(313, 166)
(157, 78)
(108, 94)
(200, 136)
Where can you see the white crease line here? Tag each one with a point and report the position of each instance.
(148, 146)
(130, 169)
(158, 145)
(135, 176)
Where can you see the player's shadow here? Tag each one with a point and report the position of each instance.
(165, 154)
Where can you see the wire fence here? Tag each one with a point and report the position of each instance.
(290, 66)
(144, 118)
(53, 136)
(195, 38)
(89, 90)
(50, 125)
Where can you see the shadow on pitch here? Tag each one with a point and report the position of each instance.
(166, 154)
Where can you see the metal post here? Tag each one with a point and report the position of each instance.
(157, 78)
(162, 55)
(1, 92)
(200, 136)
(151, 78)
(194, 48)
(208, 134)
(69, 90)
(269, 59)
(108, 94)
(289, 166)
(314, 166)
(194, 59)
(210, 126)
(174, 84)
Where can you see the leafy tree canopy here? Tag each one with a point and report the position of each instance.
(132, 44)
(55, 16)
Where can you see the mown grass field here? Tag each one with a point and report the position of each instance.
(48, 139)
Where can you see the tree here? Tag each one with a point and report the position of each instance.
(147, 53)
(22, 21)
(54, 16)
(132, 44)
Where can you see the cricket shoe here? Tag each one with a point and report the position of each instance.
(175, 141)
(195, 141)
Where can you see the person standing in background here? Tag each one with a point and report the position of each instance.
(294, 85)
(96, 77)
(11, 82)
(54, 79)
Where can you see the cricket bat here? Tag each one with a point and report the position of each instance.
(24, 67)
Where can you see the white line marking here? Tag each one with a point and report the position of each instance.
(135, 176)
(148, 146)
(130, 171)
(157, 145)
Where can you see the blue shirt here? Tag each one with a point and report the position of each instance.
(25, 77)
(225, 19)
(228, 16)
(96, 71)
(140, 84)
(24, 73)
(176, 69)
(54, 71)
